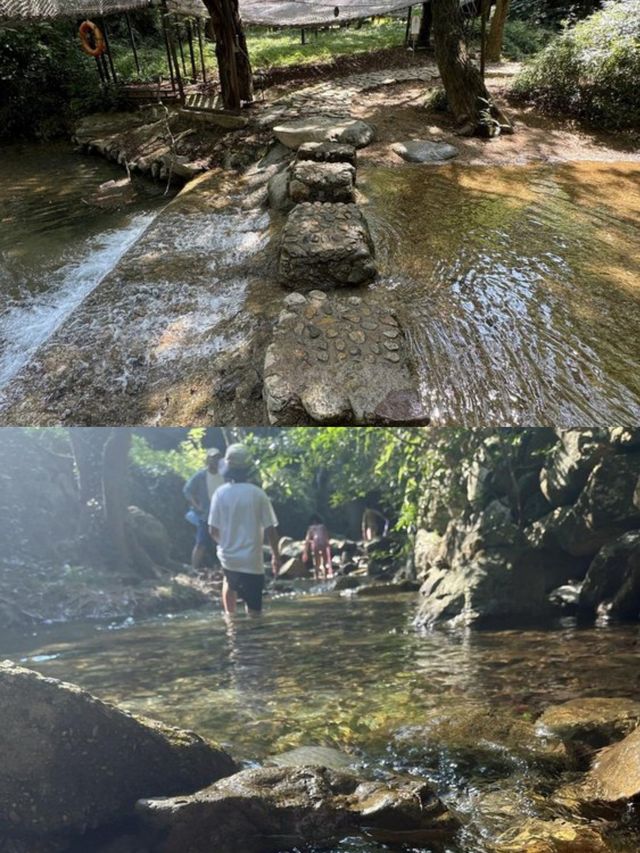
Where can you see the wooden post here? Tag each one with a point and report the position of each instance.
(191, 51)
(108, 46)
(407, 31)
(133, 43)
(202, 56)
(302, 38)
(168, 49)
(179, 35)
(174, 56)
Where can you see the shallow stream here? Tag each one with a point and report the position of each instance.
(520, 286)
(57, 241)
(351, 674)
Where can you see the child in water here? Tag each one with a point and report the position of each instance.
(317, 543)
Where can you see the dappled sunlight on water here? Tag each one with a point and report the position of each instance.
(520, 285)
(346, 673)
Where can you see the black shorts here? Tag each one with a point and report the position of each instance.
(247, 586)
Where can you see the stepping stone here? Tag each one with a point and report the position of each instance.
(327, 152)
(325, 246)
(340, 360)
(330, 182)
(424, 151)
(295, 133)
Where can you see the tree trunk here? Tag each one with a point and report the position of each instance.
(496, 30)
(467, 95)
(114, 484)
(424, 36)
(234, 67)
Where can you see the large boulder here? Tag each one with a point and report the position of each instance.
(568, 467)
(613, 579)
(486, 573)
(256, 810)
(424, 151)
(325, 246)
(71, 762)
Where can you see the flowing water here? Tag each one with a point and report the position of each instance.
(521, 287)
(56, 242)
(349, 674)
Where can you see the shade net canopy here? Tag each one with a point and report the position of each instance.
(302, 13)
(43, 10)
(272, 13)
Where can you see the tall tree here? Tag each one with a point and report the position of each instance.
(467, 96)
(496, 30)
(234, 66)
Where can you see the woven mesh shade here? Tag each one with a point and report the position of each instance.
(275, 13)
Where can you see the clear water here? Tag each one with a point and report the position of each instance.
(345, 673)
(56, 243)
(520, 287)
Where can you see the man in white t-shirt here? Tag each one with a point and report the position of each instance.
(240, 516)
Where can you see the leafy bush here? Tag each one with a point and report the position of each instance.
(522, 39)
(551, 13)
(592, 70)
(45, 80)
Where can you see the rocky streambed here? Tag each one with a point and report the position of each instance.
(349, 730)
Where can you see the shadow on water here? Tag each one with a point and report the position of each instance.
(345, 673)
(520, 285)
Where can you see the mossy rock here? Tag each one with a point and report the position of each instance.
(72, 762)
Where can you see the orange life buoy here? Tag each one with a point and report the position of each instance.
(91, 32)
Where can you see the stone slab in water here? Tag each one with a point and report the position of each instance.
(295, 133)
(328, 152)
(340, 360)
(314, 756)
(424, 151)
(264, 810)
(325, 246)
(330, 182)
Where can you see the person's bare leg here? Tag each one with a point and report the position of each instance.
(316, 564)
(229, 598)
(197, 557)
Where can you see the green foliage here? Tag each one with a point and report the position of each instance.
(185, 460)
(551, 13)
(592, 70)
(45, 80)
(522, 39)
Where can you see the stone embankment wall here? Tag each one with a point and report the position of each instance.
(528, 524)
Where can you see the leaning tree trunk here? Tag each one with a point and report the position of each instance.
(496, 30)
(115, 469)
(467, 95)
(234, 67)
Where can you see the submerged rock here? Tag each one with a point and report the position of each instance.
(71, 762)
(482, 740)
(325, 246)
(591, 721)
(336, 360)
(424, 151)
(550, 836)
(317, 756)
(271, 809)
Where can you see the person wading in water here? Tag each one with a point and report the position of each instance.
(374, 525)
(240, 516)
(317, 546)
(198, 491)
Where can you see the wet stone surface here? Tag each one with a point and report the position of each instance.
(330, 182)
(325, 246)
(327, 152)
(339, 359)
